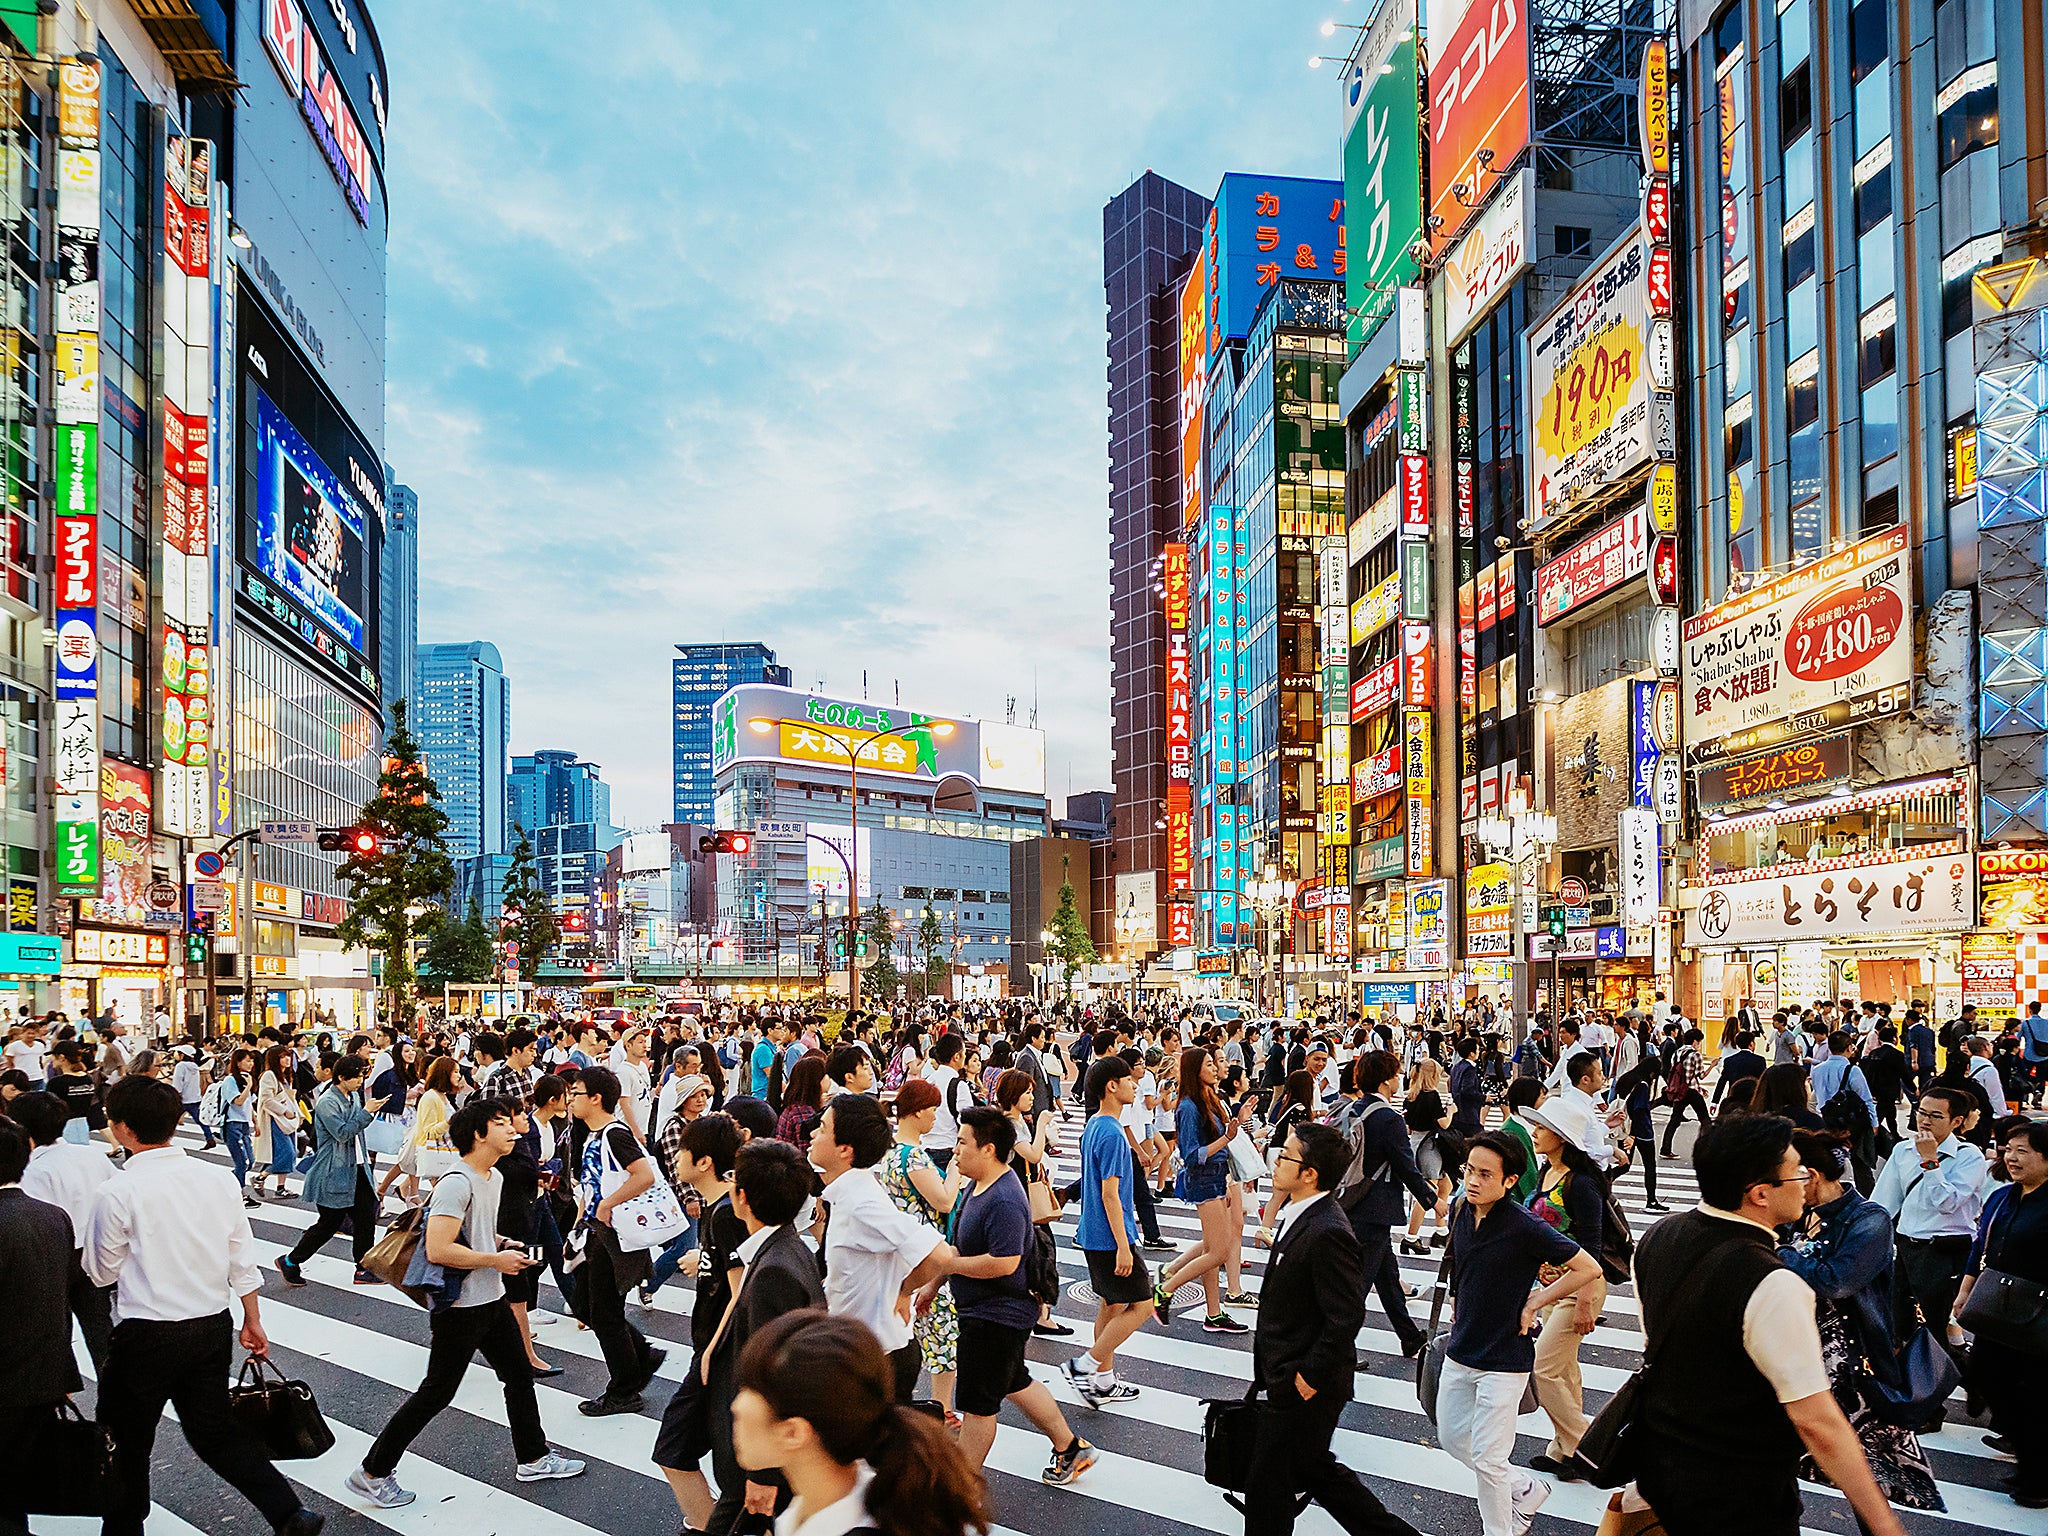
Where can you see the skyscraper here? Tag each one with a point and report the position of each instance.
(1151, 234)
(702, 674)
(462, 713)
(398, 631)
(553, 788)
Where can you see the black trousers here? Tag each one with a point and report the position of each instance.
(21, 1427)
(2010, 1384)
(94, 1309)
(1384, 1271)
(729, 1512)
(1694, 1101)
(362, 1237)
(185, 1364)
(456, 1335)
(601, 1304)
(1929, 1274)
(1645, 1153)
(904, 1364)
(1691, 1500)
(1292, 1457)
(1148, 1205)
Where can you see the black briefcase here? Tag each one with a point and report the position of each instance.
(1230, 1436)
(67, 1466)
(281, 1414)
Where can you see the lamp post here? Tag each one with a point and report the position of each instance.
(762, 726)
(1522, 835)
(1271, 896)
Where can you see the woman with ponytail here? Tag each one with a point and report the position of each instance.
(816, 1403)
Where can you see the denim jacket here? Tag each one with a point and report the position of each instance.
(1850, 1263)
(338, 1121)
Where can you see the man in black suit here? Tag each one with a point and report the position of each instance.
(42, 1281)
(1382, 1163)
(1309, 1315)
(1742, 1062)
(770, 1182)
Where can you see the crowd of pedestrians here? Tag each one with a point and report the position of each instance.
(865, 1210)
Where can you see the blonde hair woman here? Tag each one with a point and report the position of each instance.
(429, 1139)
(1429, 1120)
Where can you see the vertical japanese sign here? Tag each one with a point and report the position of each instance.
(75, 756)
(1194, 384)
(184, 680)
(1180, 863)
(1382, 165)
(1419, 769)
(1638, 867)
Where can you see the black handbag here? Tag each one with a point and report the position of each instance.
(1927, 1375)
(73, 1462)
(2007, 1310)
(1230, 1437)
(279, 1413)
(1605, 1447)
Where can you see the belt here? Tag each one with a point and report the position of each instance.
(1934, 1242)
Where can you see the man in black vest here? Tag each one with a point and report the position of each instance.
(1738, 1386)
(1382, 1163)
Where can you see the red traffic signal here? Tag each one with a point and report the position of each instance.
(572, 922)
(355, 842)
(726, 842)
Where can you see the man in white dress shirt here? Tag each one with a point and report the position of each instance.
(170, 1232)
(67, 1174)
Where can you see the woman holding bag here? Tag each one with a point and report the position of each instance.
(1013, 1096)
(1204, 1131)
(275, 1120)
(914, 1185)
(2012, 1240)
(428, 1151)
(337, 1180)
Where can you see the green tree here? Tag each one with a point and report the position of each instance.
(410, 868)
(535, 929)
(1071, 948)
(931, 946)
(881, 979)
(459, 951)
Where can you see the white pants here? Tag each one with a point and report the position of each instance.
(1475, 1421)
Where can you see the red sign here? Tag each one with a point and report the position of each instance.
(1487, 593)
(1660, 280)
(1664, 571)
(1593, 567)
(1418, 666)
(1479, 101)
(1414, 493)
(1180, 924)
(1180, 846)
(1657, 210)
(1375, 691)
(1179, 686)
(1504, 587)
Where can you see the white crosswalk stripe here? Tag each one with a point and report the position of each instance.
(363, 1348)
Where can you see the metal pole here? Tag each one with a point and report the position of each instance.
(853, 877)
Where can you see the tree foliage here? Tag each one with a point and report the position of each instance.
(535, 929)
(931, 949)
(460, 951)
(409, 871)
(881, 979)
(1070, 947)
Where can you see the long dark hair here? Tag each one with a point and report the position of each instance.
(1783, 1087)
(831, 1372)
(1192, 1087)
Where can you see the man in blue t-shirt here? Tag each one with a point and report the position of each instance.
(1497, 1249)
(991, 1235)
(1109, 1221)
(763, 1059)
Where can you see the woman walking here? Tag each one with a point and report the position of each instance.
(1570, 1196)
(803, 1100)
(1204, 1130)
(1429, 1121)
(428, 1152)
(236, 1127)
(915, 1185)
(275, 1120)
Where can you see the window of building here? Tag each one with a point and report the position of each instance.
(1603, 649)
(1965, 34)
(1574, 240)
(1869, 37)
(1969, 123)
(1795, 106)
(1874, 264)
(1799, 249)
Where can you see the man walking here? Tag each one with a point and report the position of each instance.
(1104, 1234)
(462, 1237)
(337, 1182)
(64, 1174)
(171, 1234)
(608, 1271)
(1933, 1189)
(1682, 1092)
(1381, 1165)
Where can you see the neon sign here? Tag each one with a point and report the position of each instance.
(296, 51)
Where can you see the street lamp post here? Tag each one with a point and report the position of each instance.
(1271, 896)
(762, 726)
(1522, 835)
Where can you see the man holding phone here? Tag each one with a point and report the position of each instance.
(337, 1180)
(462, 1235)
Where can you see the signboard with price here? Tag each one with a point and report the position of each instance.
(1589, 383)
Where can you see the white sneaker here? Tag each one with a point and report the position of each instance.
(383, 1492)
(1529, 1499)
(554, 1464)
(537, 1318)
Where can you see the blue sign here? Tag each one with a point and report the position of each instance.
(1642, 716)
(78, 653)
(1264, 229)
(1610, 943)
(31, 954)
(1386, 994)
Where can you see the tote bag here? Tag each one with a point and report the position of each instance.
(650, 1218)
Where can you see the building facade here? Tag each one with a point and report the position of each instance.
(550, 788)
(701, 674)
(462, 715)
(398, 638)
(1151, 235)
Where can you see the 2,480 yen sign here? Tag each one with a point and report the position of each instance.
(1586, 396)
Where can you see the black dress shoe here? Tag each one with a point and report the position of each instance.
(1566, 1471)
(304, 1523)
(604, 1407)
(2001, 1444)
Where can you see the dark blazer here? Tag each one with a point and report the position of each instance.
(1312, 1306)
(784, 1277)
(40, 1277)
(1031, 1066)
(1736, 1066)
(1386, 1147)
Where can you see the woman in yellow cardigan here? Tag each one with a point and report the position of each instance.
(428, 1151)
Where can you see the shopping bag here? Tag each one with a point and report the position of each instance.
(280, 1413)
(1246, 1165)
(384, 1136)
(75, 1471)
(390, 1258)
(1616, 1521)
(650, 1218)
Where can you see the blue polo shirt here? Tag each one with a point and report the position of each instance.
(1493, 1269)
(1105, 1154)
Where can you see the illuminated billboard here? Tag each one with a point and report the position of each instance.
(1589, 383)
(1263, 229)
(759, 722)
(1194, 385)
(1382, 165)
(1478, 102)
(828, 850)
(1012, 757)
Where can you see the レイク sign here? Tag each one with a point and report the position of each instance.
(296, 51)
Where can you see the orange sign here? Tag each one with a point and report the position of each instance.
(1194, 382)
(1479, 102)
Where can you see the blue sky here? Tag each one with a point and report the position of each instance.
(784, 322)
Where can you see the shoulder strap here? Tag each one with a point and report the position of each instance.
(1443, 1274)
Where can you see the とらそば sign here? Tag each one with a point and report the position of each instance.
(1907, 895)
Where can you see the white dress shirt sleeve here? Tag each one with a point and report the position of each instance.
(105, 1248)
(1782, 1339)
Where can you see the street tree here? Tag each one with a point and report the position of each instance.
(461, 951)
(393, 888)
(931, 947)
(880, 980)
(1070, 947)
(534, 929)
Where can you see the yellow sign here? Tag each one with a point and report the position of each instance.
(806, 742)
(1589, 391)
(270, 965)
(1377, 609)
(1656, 107)
(1663, 498)
(264, 897)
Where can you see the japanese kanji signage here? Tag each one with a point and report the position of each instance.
(1593, 567)
(1925, 895)
(1499, 248)
(1639, 881)
(1794, 772)
(1478, 109)
(1382, 165)
(1830, 643)
(1179, 691)
(1589, 385)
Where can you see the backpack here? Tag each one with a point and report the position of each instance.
(1845, 1111)
(213, 1104)
(1355, 1186)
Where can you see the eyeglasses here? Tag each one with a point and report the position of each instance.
(1799, 1178)
(1286, 1157)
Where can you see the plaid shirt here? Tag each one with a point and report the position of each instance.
(506, 1081)
(1689, 1068)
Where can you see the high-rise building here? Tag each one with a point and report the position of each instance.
(462, 715)
(552, 788)
(702, 674)
(1151, 234)
(398, 636)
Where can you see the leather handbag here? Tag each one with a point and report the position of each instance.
(75, 1470)
(1927, 1375)
(390, 1257)
(2007, 1310)
(1230, 1438)
(280, 1413)
(1045, 1205)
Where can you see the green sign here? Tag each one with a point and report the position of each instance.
(1378, 860)
(31, 954)
(1414, 419)
(1414, 579)
(78, 856)
(1382, 167)
(77, 454)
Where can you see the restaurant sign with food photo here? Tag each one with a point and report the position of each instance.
(2012, 886)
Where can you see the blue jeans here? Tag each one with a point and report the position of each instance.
(670, 1259)
(193, 1111)
(241, 1147)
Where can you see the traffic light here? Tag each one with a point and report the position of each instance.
(726, 842)
(572, 922)
(357, 842)
(1554, 920)
(195, 949)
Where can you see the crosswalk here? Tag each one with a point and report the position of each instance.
(363, 1349)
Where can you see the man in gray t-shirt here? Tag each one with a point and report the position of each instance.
(462, 1237)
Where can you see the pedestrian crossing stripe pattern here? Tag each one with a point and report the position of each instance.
(363, 1350)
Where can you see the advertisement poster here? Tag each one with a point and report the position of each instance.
(1418, 763)
(1489, 916)
(1990, 971)
(1638, 866)
(1829, 644)
(1593, 567)
(2013, 888)
(1589, 385)
(124, 848)
(1429, 925)
(1478, 102)
(827, 851)
(1926, 895)
(1499, 247)
(309, 529)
